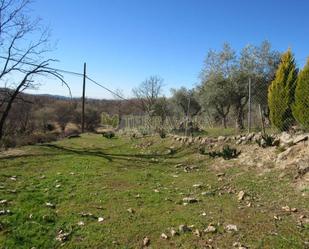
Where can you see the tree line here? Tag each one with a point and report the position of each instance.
(277, 86)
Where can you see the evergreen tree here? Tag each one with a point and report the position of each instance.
(281, 93)
(301, 105)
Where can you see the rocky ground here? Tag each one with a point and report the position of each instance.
(148, 192)
(287, 152)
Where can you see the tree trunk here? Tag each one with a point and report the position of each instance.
(224, 122)
(239, 118)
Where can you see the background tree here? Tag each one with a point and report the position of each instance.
(148, 93)
(282, 91)
(186, 100)
(214, 96)
(301, 105)
(217, 88)
(227, 70)
(23, 45)
(64, 113)
(162, 109)
(44, 118)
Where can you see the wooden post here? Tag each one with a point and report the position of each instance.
(83, 100)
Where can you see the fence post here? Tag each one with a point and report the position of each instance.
(83, 104)
(262, 119)
(249, 106)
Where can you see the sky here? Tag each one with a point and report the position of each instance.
(125, 41)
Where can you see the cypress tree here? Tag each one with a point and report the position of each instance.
(281, 93)
(301, 105)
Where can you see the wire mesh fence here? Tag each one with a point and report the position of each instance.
(255, 116)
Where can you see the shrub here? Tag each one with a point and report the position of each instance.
(281, 93)
(21, 140)
(226, 153)
(108, 134)
(301, 105)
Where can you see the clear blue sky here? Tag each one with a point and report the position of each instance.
(125, 41)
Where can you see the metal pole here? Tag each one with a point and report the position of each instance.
(262, 119)
(249, 107)
(83, 99)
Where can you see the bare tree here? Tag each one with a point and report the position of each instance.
(148, 93)
(22, 61)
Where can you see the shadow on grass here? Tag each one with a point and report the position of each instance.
(98, 153)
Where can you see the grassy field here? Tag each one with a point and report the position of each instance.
(137, 187)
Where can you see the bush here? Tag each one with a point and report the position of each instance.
(281, 93)
(301, 105)
(227, 153)
(22, 140)
(108, 134)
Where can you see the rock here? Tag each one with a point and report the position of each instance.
(208, 193)
(300, 138)
(239, 245)
(130, 210)
(183, 228)
(80, 223)
(146, 241)
(197, 233)
(174, 233)
(284, 155)
(197, 185)
(285, 138)
(221, 139)
(189, 200)
(100, 219)
(179, 165)
(3, 202)
(250, 136)
(288, 209)
(5, 212)
(88, 215)
(221, 174)
(241, 195)
(62, 236)
(257, 137)
(210, 229)
(164, 236)
(50, 205)
(231, 228)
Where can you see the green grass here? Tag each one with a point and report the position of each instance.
(104, 176)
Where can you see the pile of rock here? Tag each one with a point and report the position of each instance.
(284, 139)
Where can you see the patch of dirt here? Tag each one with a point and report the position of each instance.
(12, 153)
